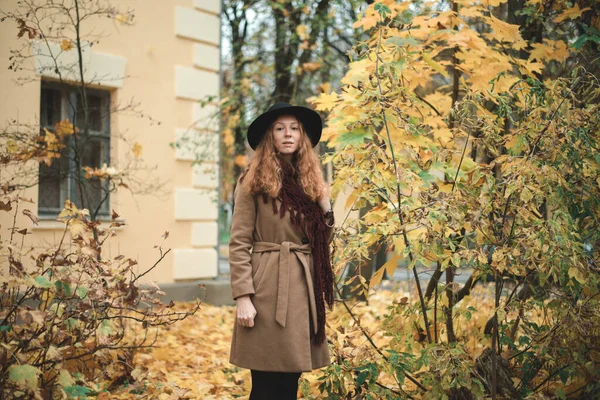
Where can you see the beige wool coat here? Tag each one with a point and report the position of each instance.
(270, 259)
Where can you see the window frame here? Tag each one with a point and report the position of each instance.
(69, 106)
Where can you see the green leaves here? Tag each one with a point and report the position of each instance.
(591, 35)
(24, 376)
(367, 374)
(42, 281)
(353, 138)
(382, 9)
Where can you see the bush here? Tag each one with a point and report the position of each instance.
(72, 319)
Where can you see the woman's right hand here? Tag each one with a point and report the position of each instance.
(245, 311)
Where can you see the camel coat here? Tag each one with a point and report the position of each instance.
(271, 261)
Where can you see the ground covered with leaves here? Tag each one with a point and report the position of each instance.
(190, 360)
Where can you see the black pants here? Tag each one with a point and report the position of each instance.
(274, 385)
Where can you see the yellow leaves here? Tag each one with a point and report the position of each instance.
(531, 68)
(549, 50)
(241, 160)
(64, 128)
(366, 22)
(181, 365)
(325, 102)
(53, 147)
(122, 19)
(12, 146)
(311, 66)
(578, 274)
(467, 38)
(434, 64)
(302, 31)
(389, 267)
(358, 71)
(352, 198)
(324, 87)
(571, 13)
(442, 103)
(493, 3)
(75, 219)
(105, 172)
(66, 45)
(136, 150)
(505, 32)
(471, 11)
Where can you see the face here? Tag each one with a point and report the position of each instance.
(286, 135)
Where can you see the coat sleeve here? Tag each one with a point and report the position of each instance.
(240, 242)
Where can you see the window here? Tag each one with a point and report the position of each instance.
(64, 178)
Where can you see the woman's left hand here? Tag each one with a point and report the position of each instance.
(324, 201)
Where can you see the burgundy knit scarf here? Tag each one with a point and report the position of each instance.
(307, 216)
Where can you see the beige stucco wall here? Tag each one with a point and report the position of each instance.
(170, 57)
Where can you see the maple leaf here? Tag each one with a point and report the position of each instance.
(571, 13)
(367, 22)
(504, 32)
(324, 88)
(531, 68)
(64, 128)
(549, 50)
(66, 45)
(326, 102)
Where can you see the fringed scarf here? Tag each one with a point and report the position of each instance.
(307, 216)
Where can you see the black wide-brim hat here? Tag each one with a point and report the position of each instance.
(310, 120)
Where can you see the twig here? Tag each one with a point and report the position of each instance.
(366, 335)
(400, 216)
(162, 256)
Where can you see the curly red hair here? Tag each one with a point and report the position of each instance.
(264, 172)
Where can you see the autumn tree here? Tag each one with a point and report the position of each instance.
(474, 141)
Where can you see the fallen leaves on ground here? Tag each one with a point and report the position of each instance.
(191, 358)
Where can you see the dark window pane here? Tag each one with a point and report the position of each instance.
(50, 107)
(95, 154)
(95, 113)
(53, 184)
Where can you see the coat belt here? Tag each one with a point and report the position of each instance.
(287, 250)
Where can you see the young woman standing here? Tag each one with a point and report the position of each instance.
(281, 275)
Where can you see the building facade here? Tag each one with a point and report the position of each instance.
(166, 64)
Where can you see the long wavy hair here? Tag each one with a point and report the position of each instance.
(264, 172)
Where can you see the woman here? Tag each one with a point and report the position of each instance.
(281, 275)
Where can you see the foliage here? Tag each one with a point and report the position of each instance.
(475, 150)
(179, 368)
(68, 312)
